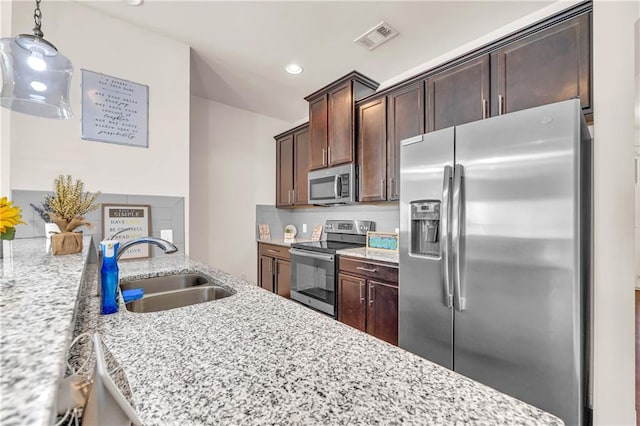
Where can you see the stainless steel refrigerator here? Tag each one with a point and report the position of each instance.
(495, 253)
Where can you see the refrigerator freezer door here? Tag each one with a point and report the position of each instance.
(425, 320)
(520, 331)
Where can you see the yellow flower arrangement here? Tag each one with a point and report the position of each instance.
(10, 216)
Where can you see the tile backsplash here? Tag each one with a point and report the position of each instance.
(386, 217)
(166, 213)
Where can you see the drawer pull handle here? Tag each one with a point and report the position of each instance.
(272, 251)
(362, 268)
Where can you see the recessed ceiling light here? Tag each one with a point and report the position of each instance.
(294, 69)
(134, 2)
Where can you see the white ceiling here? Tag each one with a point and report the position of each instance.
(240, 48)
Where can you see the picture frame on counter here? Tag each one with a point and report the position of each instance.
(126, 222)
(265, 232)
(383, 241)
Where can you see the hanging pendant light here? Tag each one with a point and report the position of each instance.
(35, 77)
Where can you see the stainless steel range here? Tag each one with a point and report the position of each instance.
(314, 267)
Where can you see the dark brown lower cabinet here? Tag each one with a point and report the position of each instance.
(367, 303)
(351, 307)
(283, 278)
(274, 269)
(382, 311)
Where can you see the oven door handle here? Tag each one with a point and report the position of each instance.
(321, 256)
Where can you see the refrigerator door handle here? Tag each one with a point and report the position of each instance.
(458, 179)
(445, 262)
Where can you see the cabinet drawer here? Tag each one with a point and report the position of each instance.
(370, 269)
(272, 250)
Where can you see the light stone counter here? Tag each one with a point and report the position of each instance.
(282, 242)
(38, 294)
(363, 253)
(257, 358)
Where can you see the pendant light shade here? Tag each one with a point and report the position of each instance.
(35, 77)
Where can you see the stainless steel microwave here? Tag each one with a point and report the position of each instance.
(336, 185)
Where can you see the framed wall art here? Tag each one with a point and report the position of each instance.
(127, 222)
(114, 110)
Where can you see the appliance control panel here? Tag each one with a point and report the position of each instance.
(358, 227)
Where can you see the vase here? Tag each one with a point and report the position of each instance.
(49, 228)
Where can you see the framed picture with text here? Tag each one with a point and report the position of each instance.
(114, 110)
(126, 222)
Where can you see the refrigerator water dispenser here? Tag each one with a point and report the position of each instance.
(425, 221)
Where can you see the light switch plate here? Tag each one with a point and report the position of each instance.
(167, 234)
(304, 228)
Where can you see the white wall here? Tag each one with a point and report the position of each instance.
(614, 98)
(5, 129)
(233, 168)
(43, 148)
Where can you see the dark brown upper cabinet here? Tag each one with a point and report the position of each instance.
(331, 120)
(292, 166)
(318, 115)
(405, 118)
(551, 65)
(301, 166)
(284, 171)
(458, 95)
(372, 150)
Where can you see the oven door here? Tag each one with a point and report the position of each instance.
(313, 280)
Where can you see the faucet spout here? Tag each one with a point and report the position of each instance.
(165, 245)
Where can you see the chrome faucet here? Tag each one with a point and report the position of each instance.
(165, 245)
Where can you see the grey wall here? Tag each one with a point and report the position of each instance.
(166, 213)
(386, 217)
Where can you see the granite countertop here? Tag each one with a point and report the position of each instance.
(256, 358)
(282, 242)
(38, 294)
(362, 252)
(251, 358)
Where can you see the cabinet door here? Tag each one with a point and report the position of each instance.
(283, 278)
(382, 311)
(405, 118)
(372, 150)
(266, 273)
(341, 125)
(284, 171)
(458, 95)
(351, 301)
(301, 167)
(318, 133)
(550, 66)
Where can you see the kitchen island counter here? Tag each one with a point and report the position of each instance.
(256, 358)
(38, 295)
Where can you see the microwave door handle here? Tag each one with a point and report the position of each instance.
(337, 187)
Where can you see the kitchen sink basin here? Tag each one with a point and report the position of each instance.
(178, 298)
(166, 283)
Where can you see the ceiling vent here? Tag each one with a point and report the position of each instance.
(377, 35)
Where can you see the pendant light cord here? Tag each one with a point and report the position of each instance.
(37, 18)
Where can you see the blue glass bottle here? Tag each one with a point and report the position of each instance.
(109, 277)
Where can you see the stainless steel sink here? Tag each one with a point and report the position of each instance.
(166, 283)
(173, 291)
(177, 299)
